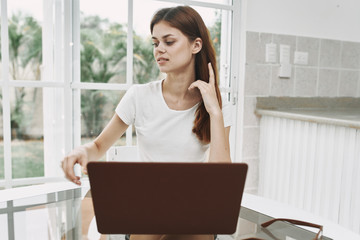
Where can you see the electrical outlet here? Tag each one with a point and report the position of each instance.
(301, 58)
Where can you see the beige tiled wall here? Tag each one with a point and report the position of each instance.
(333, 70)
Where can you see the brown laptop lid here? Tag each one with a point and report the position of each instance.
(166, 198)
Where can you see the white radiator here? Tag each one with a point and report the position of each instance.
(312, 166)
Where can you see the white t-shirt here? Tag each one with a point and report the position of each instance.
(163, 134)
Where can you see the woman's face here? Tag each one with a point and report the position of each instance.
(172, 50)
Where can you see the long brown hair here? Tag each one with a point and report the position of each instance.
(190, 23)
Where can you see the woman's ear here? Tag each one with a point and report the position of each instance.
(197, 45)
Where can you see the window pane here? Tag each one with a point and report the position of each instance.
(224, 2)
(25, 39)
(103, 36)
(97, 109)
(27, 147)
(2, 175)
(145, 67)
(213, 19)
(1, 78)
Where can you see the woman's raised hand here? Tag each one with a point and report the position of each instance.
(78, 155)
(208, 93)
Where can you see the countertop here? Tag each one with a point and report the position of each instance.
(347, 117)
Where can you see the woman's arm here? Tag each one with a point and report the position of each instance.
(219, 144)
(94, 150)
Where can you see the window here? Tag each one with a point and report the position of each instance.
(2, 176)
(32, 93)
(66, 65)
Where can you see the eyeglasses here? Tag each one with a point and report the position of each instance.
(292, 221)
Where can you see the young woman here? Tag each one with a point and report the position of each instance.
(177, 119)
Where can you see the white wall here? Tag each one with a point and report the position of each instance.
(330, 19)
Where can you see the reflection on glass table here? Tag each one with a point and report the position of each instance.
(68, 215)
(54, 215)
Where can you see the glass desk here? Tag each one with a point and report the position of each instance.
(67, 215)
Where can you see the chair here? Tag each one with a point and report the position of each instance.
(122, 153)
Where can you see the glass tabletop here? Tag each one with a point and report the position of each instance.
(67, 215)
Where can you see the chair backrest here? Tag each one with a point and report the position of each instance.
(122, 154)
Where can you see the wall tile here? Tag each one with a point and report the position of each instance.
(311, 46)
(324, 76)
(305, 81)
(358, 89)
(255, 46)
(285, 40)
(281, 86)
(257, 80)
(252, 178)
(349, 81)
(250, 118)
(350, 55)
(251, 142)
(330, 53)
(328, 83)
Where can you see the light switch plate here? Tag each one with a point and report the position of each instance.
(270, 54)
(284, 53)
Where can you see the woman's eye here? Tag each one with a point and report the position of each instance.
(169, 43)
(155, 44)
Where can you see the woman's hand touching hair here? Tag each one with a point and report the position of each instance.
(208, 93)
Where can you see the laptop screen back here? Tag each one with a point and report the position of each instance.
(166, 198)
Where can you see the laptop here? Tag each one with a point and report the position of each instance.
(166, 198)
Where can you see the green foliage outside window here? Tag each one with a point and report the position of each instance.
(103, 60)
(25, 50)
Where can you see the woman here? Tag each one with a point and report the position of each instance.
(178, 118)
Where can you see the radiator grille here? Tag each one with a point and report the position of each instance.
(312, 166)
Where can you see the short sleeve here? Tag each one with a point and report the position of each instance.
(227, 110)
(126, 109)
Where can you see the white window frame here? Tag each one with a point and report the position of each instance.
(66, 75)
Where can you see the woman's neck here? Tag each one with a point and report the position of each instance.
(176, 93)
(177, 86)
(177, 83)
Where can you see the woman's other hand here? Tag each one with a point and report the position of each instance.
(208, 93)
(94, 150)
(78, 155)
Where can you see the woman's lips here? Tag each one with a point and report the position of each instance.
(162, 60)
